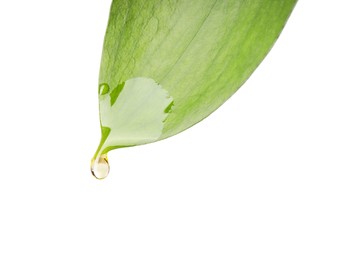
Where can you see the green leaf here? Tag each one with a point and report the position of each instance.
(168, 64)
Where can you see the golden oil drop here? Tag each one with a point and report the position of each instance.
(100, 167)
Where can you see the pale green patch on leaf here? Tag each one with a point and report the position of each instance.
(133, 113)
(198, 52)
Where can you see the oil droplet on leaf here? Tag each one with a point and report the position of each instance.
(100, 167)
(103, 89)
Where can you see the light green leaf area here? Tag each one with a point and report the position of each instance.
(167, 64)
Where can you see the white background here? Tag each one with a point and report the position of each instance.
(261, 178)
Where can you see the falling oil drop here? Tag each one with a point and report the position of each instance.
(100, 167)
